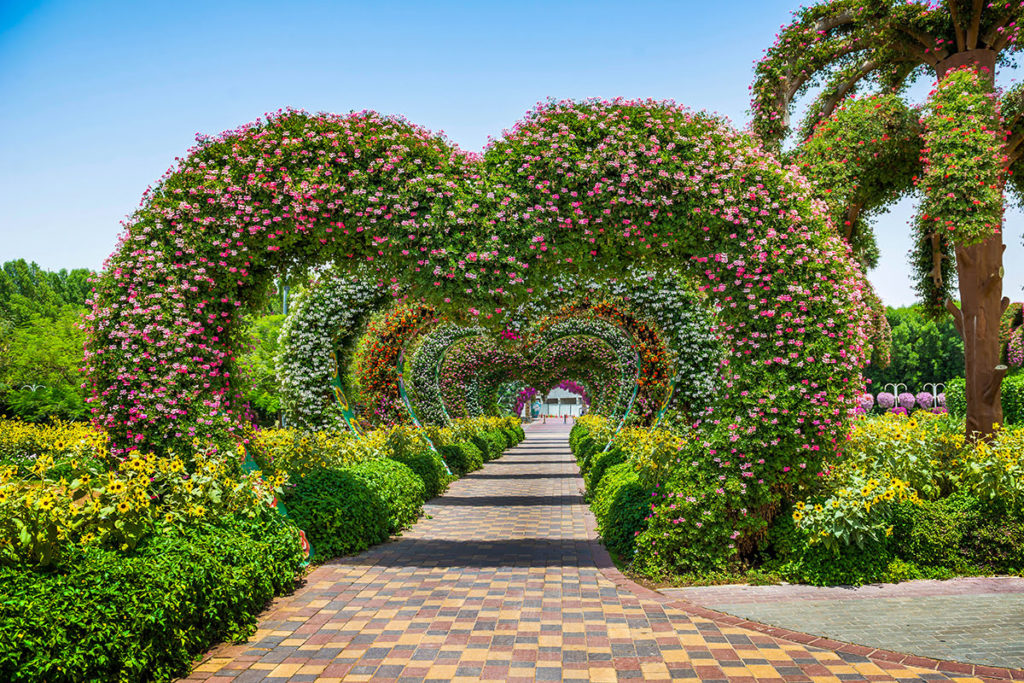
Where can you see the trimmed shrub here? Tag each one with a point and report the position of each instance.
(462, 458)
(621, 506)
(399, 488)
(146, 615)
(520, 433)
(339, 512)
(490, 443)
(931, 534)
(798, 560)
(428, 467)
(997, 545)
(511, 436)
(600, 464)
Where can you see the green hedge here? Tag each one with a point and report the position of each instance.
(428, 467)
(146, 615)
(621, 505)
(340, 513)
(1012, 398)
(490, 444)
(600, 463)
(397, 486)
(463, 458)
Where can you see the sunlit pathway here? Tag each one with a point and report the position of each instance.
(504, 581)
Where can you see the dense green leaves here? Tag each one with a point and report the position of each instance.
(924, 350)
(143, 616)
(339, 511)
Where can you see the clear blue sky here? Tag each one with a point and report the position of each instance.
(98, 98)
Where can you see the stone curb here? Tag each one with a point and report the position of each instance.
(611, 572)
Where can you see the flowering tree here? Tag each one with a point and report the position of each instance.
(966, 146)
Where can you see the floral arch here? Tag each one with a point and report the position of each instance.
(584, 189)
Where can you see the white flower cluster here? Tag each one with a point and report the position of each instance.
(426, 369)
(317, 338)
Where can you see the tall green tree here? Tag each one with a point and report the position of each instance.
(966, 145)
(41, 345)
(924, 350)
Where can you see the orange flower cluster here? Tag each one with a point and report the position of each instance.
(655, 370)
(377, 364)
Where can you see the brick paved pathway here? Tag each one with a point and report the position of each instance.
(979, 620)
(505, 582)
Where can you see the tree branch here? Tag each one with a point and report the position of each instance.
(957, 29)
(958, 316)
(972, 31)
(829, 105)
(993, 33)
(844, 17)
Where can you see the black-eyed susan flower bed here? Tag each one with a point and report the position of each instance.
(907, 497)
(127, 569)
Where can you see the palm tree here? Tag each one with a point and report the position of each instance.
(844, 46)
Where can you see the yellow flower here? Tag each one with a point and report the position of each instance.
(888, 532)
(818, 508)
(169, 517)
(797, 515)
(800, 505)
(124, 506)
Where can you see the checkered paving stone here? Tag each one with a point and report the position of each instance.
(503, 581)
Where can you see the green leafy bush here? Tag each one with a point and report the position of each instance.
(110, 616)
(932, 533)
(621, 505)
(340, 513)
(401, 491)
(463, 457)
(490, 443)
(600, 464)
(690, 529)
(997, 545)
(428, 467)
(796, 558)
(511, 437)
(956, 397)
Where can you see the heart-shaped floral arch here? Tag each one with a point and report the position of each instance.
(587, 189)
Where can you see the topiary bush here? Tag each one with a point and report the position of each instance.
(428, 467)
(340, 513)
(600, 464)
(144, 615)
(511, 437)
(400, 490)
(621, 505)
(490, 443)
(931, 533)
(463, 457)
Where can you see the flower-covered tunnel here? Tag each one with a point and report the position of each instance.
(652, 254)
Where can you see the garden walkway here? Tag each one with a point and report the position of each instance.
(504, 580)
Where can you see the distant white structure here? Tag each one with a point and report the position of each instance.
(561, 402)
